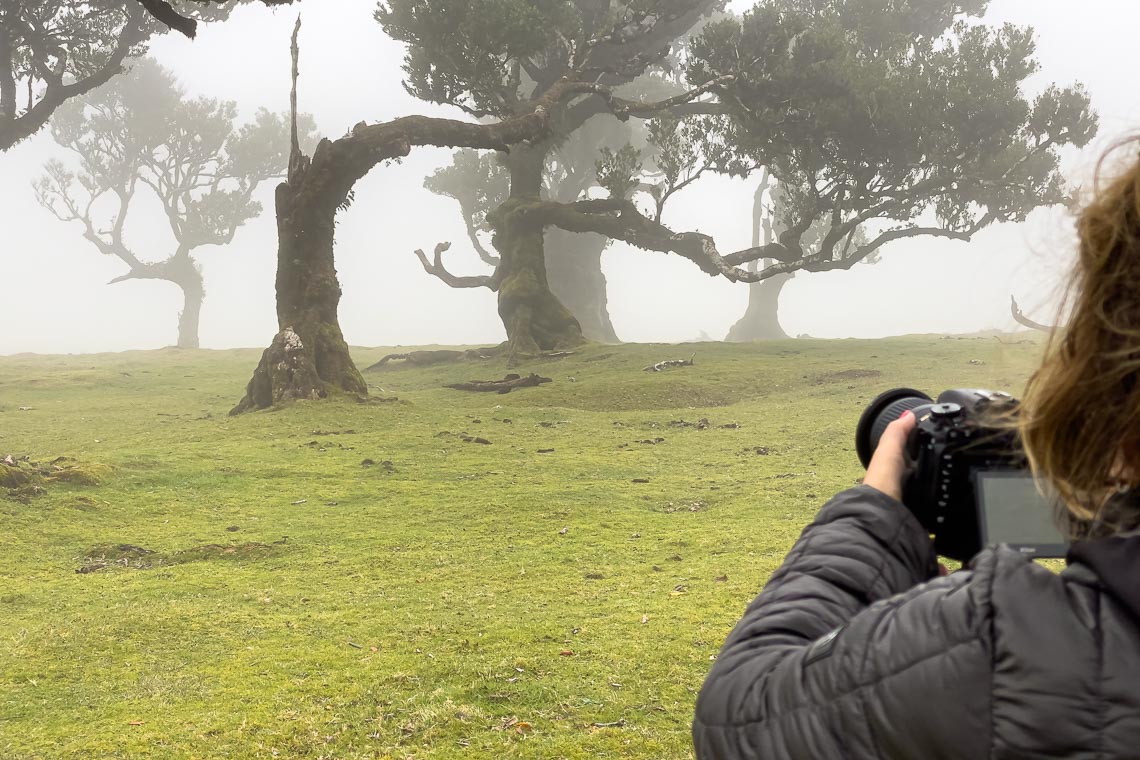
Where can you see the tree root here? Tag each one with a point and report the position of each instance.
(506, 385)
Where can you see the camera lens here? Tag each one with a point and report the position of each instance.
(881, 412)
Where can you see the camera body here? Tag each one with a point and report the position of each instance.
(956, 463)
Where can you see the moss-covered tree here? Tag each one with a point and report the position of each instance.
(141, 134)
(480, 184)
(308, 357)
(879, 123)
(494, 59)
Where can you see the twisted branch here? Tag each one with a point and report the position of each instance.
(620, 219)
(1023, 320)
(437, 269)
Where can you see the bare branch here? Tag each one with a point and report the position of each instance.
(1025, 321)
(476, 243)
(437, 269)
(672, 190)
(623, 108)
(134, 274)
(297, 160)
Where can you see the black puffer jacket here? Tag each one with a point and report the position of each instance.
(844, 655)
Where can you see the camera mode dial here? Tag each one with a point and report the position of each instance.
(945, 411)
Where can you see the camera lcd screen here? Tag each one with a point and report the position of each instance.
(1014, 513)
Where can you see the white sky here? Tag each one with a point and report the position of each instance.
(54, 296)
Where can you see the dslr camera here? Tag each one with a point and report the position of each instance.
(967, 479)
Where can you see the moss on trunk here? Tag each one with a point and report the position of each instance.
(534, 318)
(308, 357)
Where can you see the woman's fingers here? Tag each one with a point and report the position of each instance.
(888, 465)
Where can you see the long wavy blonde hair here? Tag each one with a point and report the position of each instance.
(1080, 414)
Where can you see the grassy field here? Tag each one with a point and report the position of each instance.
(255, 588)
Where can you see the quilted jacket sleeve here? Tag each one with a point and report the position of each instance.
(845, 655)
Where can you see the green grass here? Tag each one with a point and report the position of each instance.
(464, 600)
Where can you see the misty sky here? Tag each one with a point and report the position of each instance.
(54, 295)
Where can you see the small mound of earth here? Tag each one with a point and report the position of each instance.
(103, 556)
(23, 479)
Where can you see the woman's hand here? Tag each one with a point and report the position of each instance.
(885, 473)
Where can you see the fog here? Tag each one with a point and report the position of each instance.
(54, 295)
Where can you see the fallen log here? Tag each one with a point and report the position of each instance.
(438, 356)
(506, 385)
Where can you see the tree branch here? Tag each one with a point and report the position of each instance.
(163, 11)
(624, 109)
(166, 14)
(1025, 321)
(907, 232)
(619, 219)
(340, 163)
(437, 269)
(476, 243)
(133, 274)
(15, 129)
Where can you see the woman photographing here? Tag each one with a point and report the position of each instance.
(857, 648)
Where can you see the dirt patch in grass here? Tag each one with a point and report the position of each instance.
(129, 556)
(845, 375)
(24, 479)
(105, 556)
(226, 552)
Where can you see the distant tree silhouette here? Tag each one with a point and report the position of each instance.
(140, 133)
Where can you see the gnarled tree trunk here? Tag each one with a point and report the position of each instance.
(308, 356)
(183, 272)
(761, 320)
(574, 268)
(190, 317)
(534, 318)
